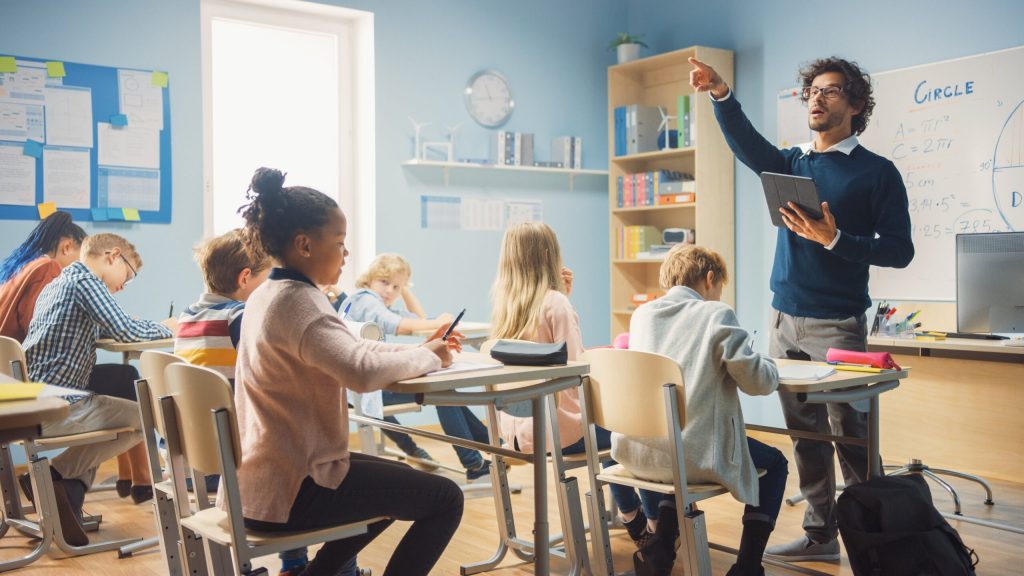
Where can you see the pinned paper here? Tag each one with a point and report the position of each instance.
(131, 214)
(115, 214)
(99, 215)
(55, 69)
(7, 64)
(45, 209)
(119, 120)
(33, 149)
(159, 79)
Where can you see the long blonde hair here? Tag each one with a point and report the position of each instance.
(529, 266)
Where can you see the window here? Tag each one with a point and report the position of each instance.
(289, 85)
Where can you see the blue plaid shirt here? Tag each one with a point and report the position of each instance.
(71, 313)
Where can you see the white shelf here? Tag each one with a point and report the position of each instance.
(447, 166)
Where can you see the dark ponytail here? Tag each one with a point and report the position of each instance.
(43, 240)
(275, 213)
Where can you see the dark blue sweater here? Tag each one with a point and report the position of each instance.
(865, 193)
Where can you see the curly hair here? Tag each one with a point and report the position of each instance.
(856, 86)
(275, 214)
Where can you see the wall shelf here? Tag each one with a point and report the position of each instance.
(467, 166)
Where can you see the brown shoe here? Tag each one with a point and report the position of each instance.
(69, 523)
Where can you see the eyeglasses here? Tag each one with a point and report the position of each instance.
(827, 92)
(135, 273)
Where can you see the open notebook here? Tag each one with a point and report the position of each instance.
(809, 372)
(457, 367)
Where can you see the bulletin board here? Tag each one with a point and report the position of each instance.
(94, 141)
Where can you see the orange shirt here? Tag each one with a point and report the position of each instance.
(18, 296)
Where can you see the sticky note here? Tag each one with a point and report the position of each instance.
(33, 148)
(159, 79)
(55, 69)
(119, 120)
(115, 214)
(131, 214)
(45, 209)
(99, 215)
(7, 64)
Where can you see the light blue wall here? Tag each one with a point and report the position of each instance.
(771, 40)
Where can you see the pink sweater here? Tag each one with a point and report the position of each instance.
(295, 360)
(558, 322)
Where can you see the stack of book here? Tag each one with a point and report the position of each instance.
(636, 129)
(512, 149)
(631, 241)
(568, 151)
(661, 187)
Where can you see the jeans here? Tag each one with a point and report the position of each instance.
(457, 421)
(377, 487)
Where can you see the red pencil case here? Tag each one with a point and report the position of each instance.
(873, 359)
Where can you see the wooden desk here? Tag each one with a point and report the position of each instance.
(541, 383)
(962, 410)
(22, 419)
(131, 350)
(476, 333)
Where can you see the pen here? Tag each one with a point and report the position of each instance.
(752, 336)
(170, 313)
(837, 363)
(451, 327)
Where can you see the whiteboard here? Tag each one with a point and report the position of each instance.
(955, 131)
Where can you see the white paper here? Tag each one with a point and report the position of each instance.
(792, 129)
(440, 212)
(128, 146)
(66, 174)
(20, 122)
(458, 367)
(69, 116)
(371, 403)
(810, 372)
(128, 188)
(518, 211)
(140, 100)
(17, 175)
(26, 85)
(482, 214)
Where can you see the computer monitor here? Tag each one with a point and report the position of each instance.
(990, 282)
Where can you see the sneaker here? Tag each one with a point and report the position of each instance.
(657, 555)
(479, 471)
(637, 528)
(803, 549)
(423, 460)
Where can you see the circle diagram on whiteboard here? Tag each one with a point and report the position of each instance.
(1008, 170)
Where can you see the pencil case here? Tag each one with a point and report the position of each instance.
(873, 359)
(530, 353)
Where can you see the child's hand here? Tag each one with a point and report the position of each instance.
(440, 347)
(567, 279)
(172, 323)
(454, 339)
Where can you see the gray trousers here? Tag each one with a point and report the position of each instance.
(809, 339)
(88, 415)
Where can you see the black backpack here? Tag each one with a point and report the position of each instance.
(891, 528)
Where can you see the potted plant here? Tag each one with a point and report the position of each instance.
(628, 46)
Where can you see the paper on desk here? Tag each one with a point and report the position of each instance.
(20, 391)
(457, 367)
(810, 372)
(467, 326)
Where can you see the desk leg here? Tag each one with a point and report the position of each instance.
(540, 490)
(874, 456)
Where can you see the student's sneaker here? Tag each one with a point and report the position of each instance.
(656, 556)
(637, 528)
(803, 549)
(478, 471)
(421, 454)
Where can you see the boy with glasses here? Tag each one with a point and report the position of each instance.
(820, 275)
(72, 312)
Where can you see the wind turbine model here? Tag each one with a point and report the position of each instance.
(418, 126)
(663, 127)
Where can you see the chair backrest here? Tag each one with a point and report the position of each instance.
(625, 391)
(197, 393)
(151, 366)
(11, 352)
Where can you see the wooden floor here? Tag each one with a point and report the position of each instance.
(1000, 551)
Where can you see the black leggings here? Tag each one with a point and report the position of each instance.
(377, 487)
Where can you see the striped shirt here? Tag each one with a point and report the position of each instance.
(208, 333)
(71, 313)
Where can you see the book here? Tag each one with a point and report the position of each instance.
(646, 121)
(667, 199)
(806, 372)
(526, 149)
(20, 390)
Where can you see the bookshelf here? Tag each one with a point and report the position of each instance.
(659, 81)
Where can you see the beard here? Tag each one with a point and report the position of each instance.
(827, 122)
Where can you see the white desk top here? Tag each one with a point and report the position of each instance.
(112, 346)
(503, 375)
(841, 379)
(959, 344)
(468, 329)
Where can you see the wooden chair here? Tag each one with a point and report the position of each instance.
(624, 392)
(47, 527)
(202, 433)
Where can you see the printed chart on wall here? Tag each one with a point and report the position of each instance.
(477, 214)
(955, 131)
(92, 140)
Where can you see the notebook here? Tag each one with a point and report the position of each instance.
(457, 367)
(808, 372)
(20, 391)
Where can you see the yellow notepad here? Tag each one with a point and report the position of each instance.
(20, 391)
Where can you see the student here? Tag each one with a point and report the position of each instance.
(61, 350)
(295, 360)
(530, 301)
(379, 288)
(820, 275)
(53, 244)
(690, 325)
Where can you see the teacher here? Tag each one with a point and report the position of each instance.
(820, 276)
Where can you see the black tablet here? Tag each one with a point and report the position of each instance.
(780, 189)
